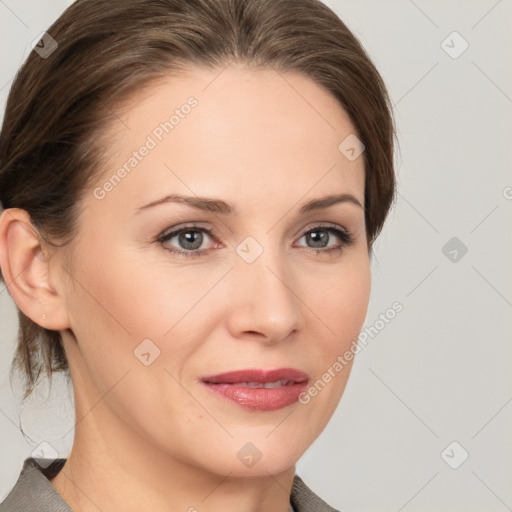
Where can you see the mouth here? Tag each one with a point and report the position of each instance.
(259, 390)
(259, 378)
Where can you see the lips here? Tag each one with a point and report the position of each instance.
(291, 375)
(259, 390)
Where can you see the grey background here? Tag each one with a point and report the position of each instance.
(440, 371)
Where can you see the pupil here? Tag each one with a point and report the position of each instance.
(319, 238)
(191, 239)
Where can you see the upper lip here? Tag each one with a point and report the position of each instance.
(257, 375)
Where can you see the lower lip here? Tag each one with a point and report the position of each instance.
(259, 399)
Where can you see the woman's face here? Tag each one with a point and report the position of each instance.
(254, 280)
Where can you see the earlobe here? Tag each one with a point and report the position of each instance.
(25, 265)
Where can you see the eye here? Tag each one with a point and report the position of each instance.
(318, 238)
(188, 239)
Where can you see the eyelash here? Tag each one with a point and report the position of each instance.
(346, 240)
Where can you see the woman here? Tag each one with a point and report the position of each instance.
(191, 191)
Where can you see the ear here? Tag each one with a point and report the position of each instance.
(24, 261)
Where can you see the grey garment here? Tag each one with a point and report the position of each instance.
(34, 492)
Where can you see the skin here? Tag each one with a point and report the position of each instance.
(153, 437)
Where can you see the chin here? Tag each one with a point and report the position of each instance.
(250, 455)
(269, 464)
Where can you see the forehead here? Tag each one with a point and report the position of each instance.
(233, 129)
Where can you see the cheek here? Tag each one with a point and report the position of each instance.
(339, 297)
(342, 308)
(353, 291)
(127, 301)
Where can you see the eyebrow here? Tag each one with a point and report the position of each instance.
(219, 206)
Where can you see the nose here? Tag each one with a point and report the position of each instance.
(262, 302)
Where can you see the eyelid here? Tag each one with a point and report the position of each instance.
(182, 227)
(325, 225)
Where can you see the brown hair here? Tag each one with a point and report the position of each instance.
(58, 106)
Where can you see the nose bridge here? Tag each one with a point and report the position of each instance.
(264, 300)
